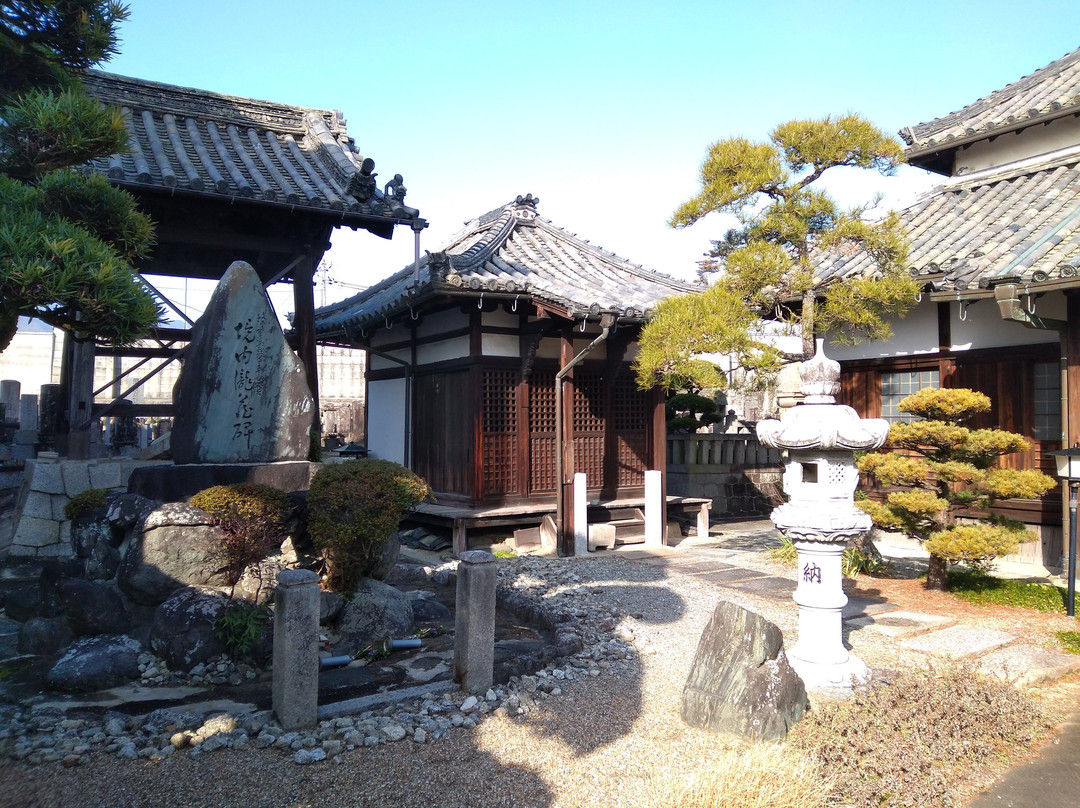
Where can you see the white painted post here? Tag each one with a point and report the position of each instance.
(581, 515)
(654, 509)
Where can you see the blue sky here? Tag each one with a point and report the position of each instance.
(604, 110)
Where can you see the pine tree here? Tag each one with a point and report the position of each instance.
(766, 265)
(945, 467)
(67, 238)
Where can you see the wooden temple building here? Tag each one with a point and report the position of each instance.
(500, 366)
(227, 178)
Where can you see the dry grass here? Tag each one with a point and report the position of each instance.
(757, 776)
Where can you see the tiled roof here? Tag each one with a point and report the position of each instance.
(511, 251)
(1020, 223)
(1053, 91)
(198, 142)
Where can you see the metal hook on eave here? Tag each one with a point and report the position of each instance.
(480, 302)
(584, 321)
(389, 325)
(514, 307)
(963, 309)
(1029, 302)
(413, 314)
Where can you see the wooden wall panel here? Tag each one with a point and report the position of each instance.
(442, 436)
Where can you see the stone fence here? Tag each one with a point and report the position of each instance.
(741, 476)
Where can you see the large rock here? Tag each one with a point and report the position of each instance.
(92, 608)
(242, 396)
(88, 529)
(43, 635)
(376, 612)
(183, 630)
(740, 681)
(389, 553)
(95, 663)
(176, 549)
(125, 511)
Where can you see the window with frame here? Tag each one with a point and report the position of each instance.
(1047, 398)
(895, 387)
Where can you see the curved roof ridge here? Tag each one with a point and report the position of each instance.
(1050, 91)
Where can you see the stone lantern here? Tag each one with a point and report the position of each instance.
(820, 437)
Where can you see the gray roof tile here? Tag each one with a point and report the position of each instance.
(1019, 222)
(511, 250)
(194, 141)
(1053, 91)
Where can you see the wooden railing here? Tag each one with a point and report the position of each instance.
(734, 451)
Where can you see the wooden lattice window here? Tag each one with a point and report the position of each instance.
(499, 424)
(631, 422)
(542, 431)
(589, 426)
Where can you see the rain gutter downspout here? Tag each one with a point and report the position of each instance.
(606, 322)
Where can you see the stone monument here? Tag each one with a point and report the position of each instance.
(820, 477)
(242, 396)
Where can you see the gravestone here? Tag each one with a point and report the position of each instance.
(242, 396)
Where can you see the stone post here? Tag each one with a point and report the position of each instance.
(474, 625)
(654, 508)
(581, 514)
(49, 415)
(295, 690)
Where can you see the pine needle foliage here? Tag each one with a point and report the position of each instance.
(944, 467)
(67, 238)
(765, 265)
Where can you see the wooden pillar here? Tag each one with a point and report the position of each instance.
(565, 485)
(304, 325)
(1071, 352)
(946, 364)
(77, 395)
(658, 455)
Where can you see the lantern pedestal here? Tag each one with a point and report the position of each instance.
(820, 477)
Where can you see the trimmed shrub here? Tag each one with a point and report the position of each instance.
(85, 501)
(353, 509)
(251, 517)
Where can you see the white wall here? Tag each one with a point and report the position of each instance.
(386, 419)
(1007, 148)
(984, 327)
(917, 333)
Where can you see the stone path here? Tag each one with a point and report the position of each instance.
(716, 559)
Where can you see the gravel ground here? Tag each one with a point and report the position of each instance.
(596, 740)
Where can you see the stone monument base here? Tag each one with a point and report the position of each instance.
(830, 679)
(178, 483)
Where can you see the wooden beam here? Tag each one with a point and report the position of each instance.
(304, 327)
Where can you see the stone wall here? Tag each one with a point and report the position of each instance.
(40, 528)
(738, 474)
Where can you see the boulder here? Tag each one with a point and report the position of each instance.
(183, 630)
(125, 511)
(92, 608)
(389, 553)
(740, 682)
(102, 563)
(330, 606)
(175, 549)
(44, 635)
(23, 603)
(94, 663)
(88, 529)
(429, 610)
(375, 612)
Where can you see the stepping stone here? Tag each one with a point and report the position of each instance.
(733, 574)
(959, 641)
(858, 607)
(901, 624)
(769, 587)
(1026, 665)
(695, 566)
